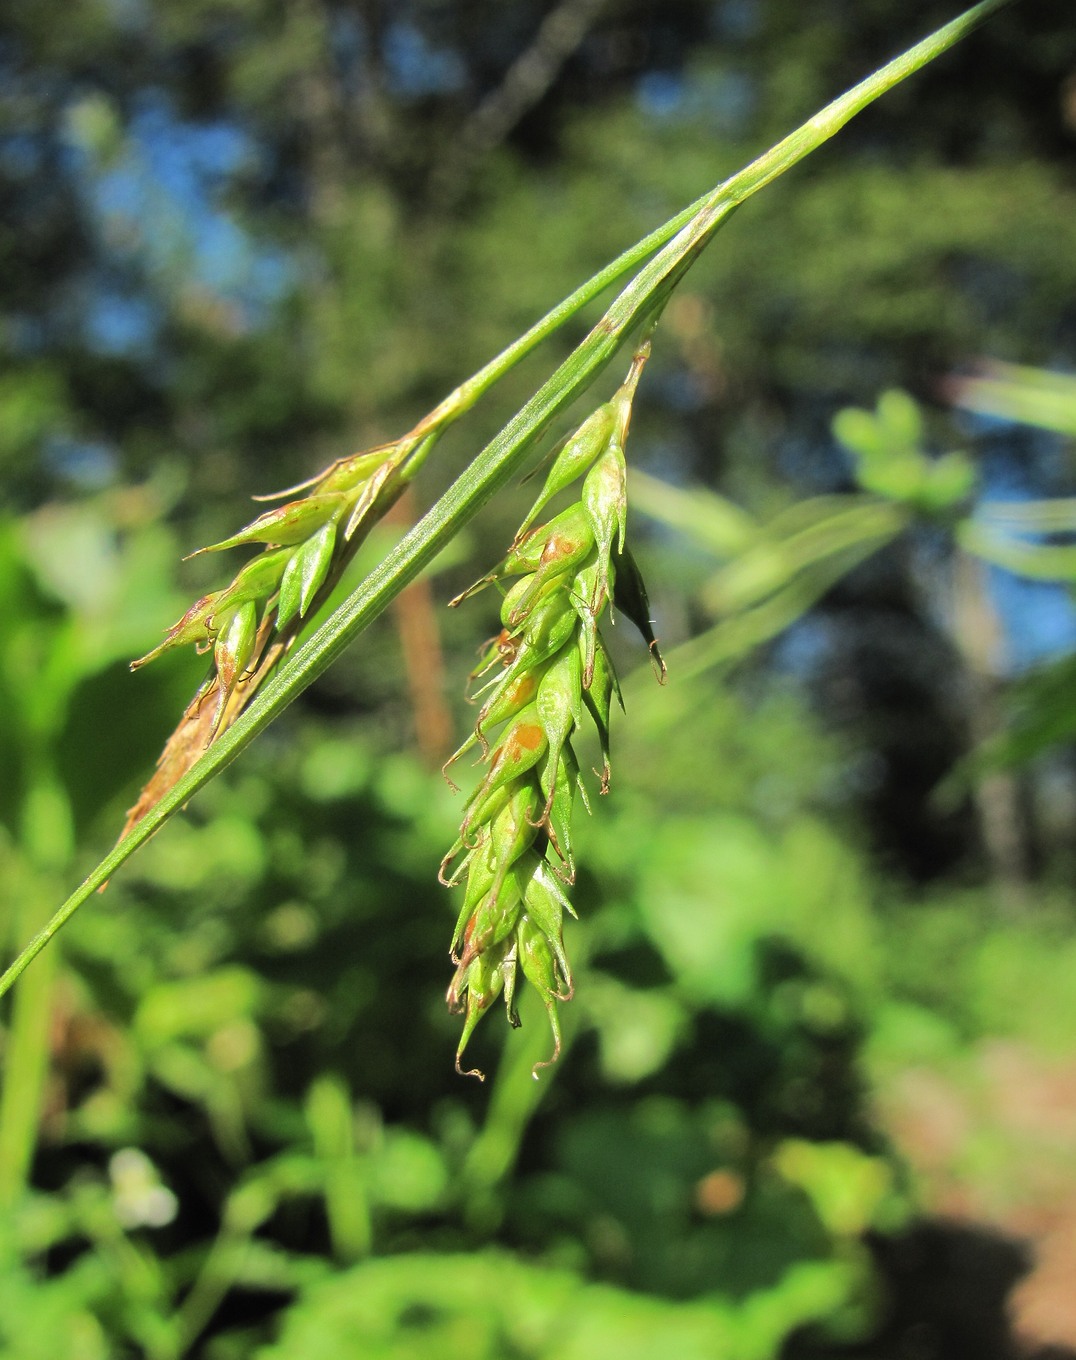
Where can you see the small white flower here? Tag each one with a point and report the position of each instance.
(139, 1198)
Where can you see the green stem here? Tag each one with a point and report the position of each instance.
(514, 1100)
(46, 846)
(25, 1065)
(645, 294)
(219, 1272)
(465, 396)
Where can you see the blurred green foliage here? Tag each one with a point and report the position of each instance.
(248, 1104)
(230, 1125)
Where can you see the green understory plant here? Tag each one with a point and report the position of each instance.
(768, 573)
(251, 626)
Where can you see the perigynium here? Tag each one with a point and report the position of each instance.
(514, 854)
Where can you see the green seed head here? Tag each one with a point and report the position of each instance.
(515, 842)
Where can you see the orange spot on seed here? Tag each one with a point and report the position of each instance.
(523, 688)
(528, 736)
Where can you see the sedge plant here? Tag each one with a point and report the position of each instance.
(513, 856)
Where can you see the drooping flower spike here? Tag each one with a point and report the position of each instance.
(513, 854)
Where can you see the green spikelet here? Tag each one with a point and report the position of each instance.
(552, 675)
(304, 544)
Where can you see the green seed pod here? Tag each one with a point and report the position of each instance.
(285, 526)
(574, 458)
(560, 705)
(480, 876)
(235, 644)
(538, 961)
(522, 746)
(606, 503)
(192, 627)
(598, 697)
(549, 626)
(510, 697)
(232, 651)
(493, 920)
(586, 587)
(559, 780)
(540, 969)
(305, 575)
(480, 977)
(475, 988)
(548, 542)
(512, 598)
(559, 701)
(512, 832)
(258, 580)
(348, 474)
(566, 542)
(540, 557)
(370, 490)
(545, 904)
(525, 556)
(485, 804)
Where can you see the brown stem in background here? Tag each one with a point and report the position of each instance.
(420, 642)
(525, 82)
